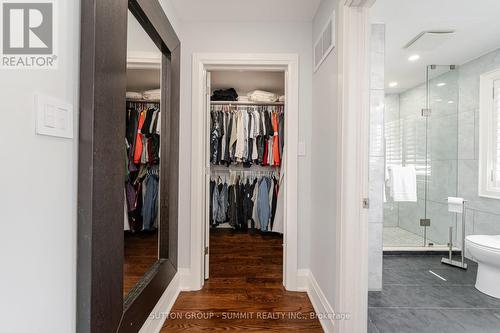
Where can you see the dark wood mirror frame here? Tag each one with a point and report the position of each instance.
(101, 172)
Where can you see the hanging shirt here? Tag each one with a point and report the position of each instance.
(241, 130)
(138, 140)
(276, 149)
(263, 207)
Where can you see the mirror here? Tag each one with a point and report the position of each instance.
(142, 142)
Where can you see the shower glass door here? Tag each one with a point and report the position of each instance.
(441, 115)
(420, 127)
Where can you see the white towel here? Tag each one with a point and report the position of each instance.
(262, 96)
(455, 205)
(133, 95)
(403, 181)
(152, 95)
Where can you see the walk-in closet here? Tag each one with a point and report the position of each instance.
(245, 202)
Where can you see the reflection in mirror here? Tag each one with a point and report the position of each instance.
(142, 140)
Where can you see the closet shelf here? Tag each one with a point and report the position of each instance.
(254, 167)
(131, 100)
(244, 103)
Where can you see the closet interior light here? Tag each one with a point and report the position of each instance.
(393, 84)
(413, 57)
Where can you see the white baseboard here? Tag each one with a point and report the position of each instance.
(322, 307)
(187, 280)
(161, 310)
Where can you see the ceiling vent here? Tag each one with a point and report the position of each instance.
(429, 40)
(325, 43)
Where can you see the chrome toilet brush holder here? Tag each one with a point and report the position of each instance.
(449, 261)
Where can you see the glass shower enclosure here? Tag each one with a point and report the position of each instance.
(421, 131)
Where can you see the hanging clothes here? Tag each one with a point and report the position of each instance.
(244, 202)
(263, 207)
(278, 220)
(138, 140)
(246, 135)
(276, 144)
(150, 208)
(142, 157)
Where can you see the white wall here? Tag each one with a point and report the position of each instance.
(246, 37)
(39, 192)
(138, 41)
(38, 196)
(323, 162)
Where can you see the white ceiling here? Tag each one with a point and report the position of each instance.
(477, 25)
(244, 10)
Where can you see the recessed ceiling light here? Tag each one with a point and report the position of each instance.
(441, 84)
(393, 84)
(414, 57)
(451, 102)
(439, 100)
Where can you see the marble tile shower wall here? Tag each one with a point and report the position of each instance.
(453, 137)
(482, 214)
(376, 158)
(393, 153)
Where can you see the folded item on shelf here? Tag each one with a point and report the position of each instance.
(133, 95)
(224, 95)
(152, 95)
(282, 98)
(243, 99)
(262, 96)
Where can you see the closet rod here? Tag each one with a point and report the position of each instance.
(244, 103)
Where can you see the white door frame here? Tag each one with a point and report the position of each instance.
(223, 61)
(351, 270)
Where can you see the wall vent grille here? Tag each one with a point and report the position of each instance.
(325, 43)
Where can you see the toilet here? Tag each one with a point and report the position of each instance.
(485, 249)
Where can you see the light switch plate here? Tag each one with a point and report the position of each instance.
(302, 149)
(53, 117)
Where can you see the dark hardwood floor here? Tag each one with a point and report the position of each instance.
(141, 252)
(244, 292)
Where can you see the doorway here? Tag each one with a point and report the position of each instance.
(244, 215)
(226, 67)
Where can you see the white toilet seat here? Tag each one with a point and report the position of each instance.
(487, 241)
(485, 249)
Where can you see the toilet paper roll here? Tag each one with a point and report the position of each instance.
(455, 205)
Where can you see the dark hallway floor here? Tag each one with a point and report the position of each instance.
(414, 300)
(246, 274)
(141, 252)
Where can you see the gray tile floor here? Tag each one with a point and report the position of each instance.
(414, 300)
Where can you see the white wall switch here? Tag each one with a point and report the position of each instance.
(302, 149)
(53, 117)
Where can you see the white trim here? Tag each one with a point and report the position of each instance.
(285, 62)
(161, 310)
(318, 300)
(351, 265)
(143, 60)
(487, 136)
